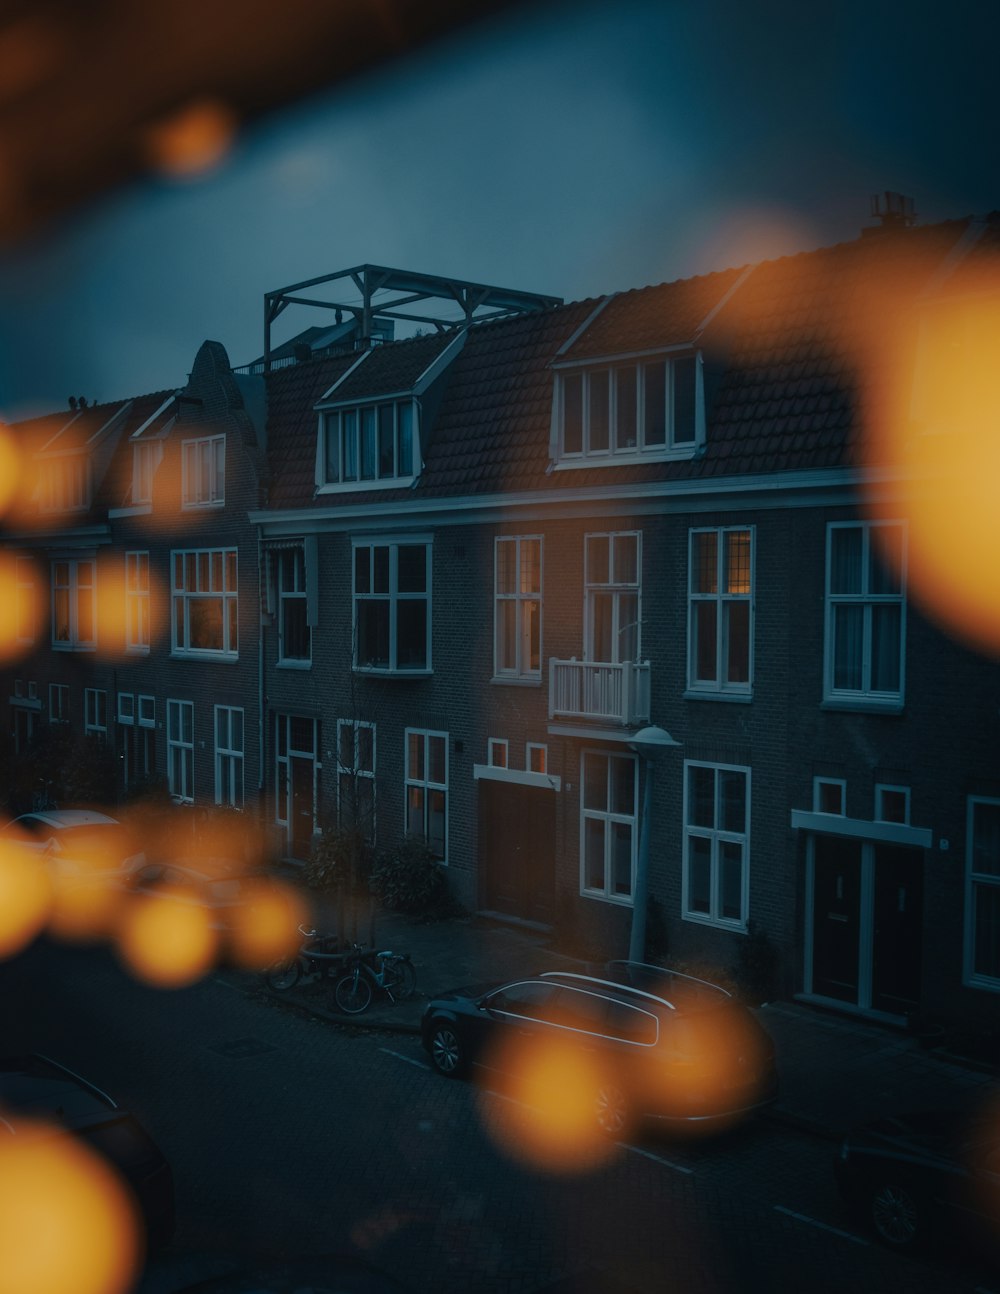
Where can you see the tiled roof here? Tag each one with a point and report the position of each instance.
(392, 368)
(666, 315)
(292, 422)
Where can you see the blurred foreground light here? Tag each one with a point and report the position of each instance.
(85, 905)
(266, 929)
(10, 468)
(167, 938)
(25, 897)
(67, 1223)
(193, 140)
(549, 1120)
(19, 585)
(937, 431)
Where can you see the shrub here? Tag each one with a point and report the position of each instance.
(755, 967)
(408, 878)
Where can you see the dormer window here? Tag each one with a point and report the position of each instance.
(146, 456)
(367, 444)
(203, 472)
(66, 484)
(651, 407)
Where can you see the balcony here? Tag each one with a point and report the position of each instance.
(606, 693)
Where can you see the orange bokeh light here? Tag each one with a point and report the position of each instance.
(10, 468)
(85, 906)
(166, 938)
(936, 430)
(67, 1223)
(193, 140)
(549, 1119)
(266, 929)
(19, 606)
(25, 897)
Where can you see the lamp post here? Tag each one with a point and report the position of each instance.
(648, 743)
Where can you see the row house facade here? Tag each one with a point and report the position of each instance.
(601, 599)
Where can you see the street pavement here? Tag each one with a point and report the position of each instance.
(836, 1070)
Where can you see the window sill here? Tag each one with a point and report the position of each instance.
(216, 658)
(862, 705)
(619, 901)
(626, 458)
(695, 694)
(734, 927)
(74, 646)
(356, 487)
(982, 983)
(293, 664)
(393, 673)
(136, 649)
(517, 680)
(215, 505)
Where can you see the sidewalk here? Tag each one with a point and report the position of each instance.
(836, 1071)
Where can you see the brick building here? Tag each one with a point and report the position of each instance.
(456, 582)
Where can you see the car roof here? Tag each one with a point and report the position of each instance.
(608, 988)
(691, 992)
(70, 818)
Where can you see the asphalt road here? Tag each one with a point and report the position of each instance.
(288, 1136)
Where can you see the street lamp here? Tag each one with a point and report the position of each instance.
(649, 743)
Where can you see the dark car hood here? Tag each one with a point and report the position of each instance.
(32, 1087)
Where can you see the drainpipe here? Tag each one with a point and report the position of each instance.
(649, 743)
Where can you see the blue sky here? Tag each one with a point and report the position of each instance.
(572, 151)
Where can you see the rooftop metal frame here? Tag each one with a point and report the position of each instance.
(476, 301)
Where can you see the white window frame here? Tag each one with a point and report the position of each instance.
(393, 598)
(182, 598)
(203, 472)
(356, 771)
(146, 458)
(619, 592)
(351, 434)
(58, 703)
(589, 455)
(180, 753)
(818, 785)
(533, 749)
(126, 708)
(522, 599)
(609, 818)
(717, 836)
(229, 767)
(880, 790)
(425, 784)
(866, 695)
(498, 752)
(975, 881)
(723, 599)
(25, 600)
(32, 690)
(137, 603)
(77, 594)
(95, 712)
(296, 594)
(146, 715)
(67, 483)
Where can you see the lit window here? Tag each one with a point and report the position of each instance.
(229, 756)
(137, 601)
(537, 757)
(650, 409)
(427, 789)
(204, 607)
(497, 752)
(368, 444)
(74, 605)
(25, 600)
(146, 456)
(203, 472)
(518, 639)
(715, 884)
(865, 620)
(180, 749)
(609, 827)
(392, 623)
(721, 610)
(66, 484)
(982, 894)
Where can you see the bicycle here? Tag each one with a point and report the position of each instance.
(319, 954)
(395, 977)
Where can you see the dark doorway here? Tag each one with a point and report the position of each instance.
(300, 826)
(898, 922)
(836, 917)
(517, 838)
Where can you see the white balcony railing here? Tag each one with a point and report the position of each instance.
(580, 689)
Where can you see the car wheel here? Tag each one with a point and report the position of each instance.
(611, 1109)
(897, 1215)
(447, 1052)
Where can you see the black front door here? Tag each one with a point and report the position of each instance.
(897, 933)
(836, 917)
(517, 827)
(300, 810)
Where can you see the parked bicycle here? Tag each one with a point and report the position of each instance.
(319, 954)
(386, 972)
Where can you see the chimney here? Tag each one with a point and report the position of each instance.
(72, 401)
(892, 210)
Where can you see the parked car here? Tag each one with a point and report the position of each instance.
(669, 1046)
(80, 840)
(35, 1087)
(915, 1178)
(216, 886)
